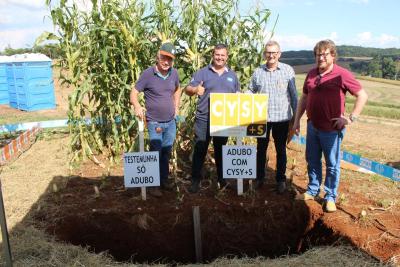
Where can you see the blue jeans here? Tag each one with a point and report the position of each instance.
(328, 143)
(202, 140)
(162, 137)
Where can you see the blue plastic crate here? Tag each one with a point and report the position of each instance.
(3, 84)
(30, 85)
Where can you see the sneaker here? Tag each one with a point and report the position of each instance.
(304, 197)
(194, 187)
(155, 192)
(281, 187)
(166, 185)
(259, 184)
(330, 206)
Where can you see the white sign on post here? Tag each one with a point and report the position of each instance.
(239, 162)
(141, 169)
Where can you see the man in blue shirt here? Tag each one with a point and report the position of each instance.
(160, 85)
(214, 78)
(278, 81)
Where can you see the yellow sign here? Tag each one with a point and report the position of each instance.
(238, 114)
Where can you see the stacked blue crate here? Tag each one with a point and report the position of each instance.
(30, 82)
(4, 99)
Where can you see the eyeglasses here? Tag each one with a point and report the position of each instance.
(273, 53)
(323, 55)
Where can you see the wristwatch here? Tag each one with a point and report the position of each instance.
(353, 118)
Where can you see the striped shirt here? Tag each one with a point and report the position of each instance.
(280, 85)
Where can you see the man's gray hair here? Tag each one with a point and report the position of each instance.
(273, 43)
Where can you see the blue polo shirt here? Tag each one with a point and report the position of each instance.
(213, 83)
(158, 93)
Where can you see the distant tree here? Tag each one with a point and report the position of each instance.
(375, 68)
(360, 67)
(9, 51)
(397, 75)
(388, 68)
(50, 50)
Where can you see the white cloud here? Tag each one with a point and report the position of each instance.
(302, 41)
(364, 36)
(296, 42)
(27, 4)
(20, 38)
(309, 3)
(382, 41)
(360, 1)
(387, 39)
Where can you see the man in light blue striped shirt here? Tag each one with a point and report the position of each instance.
(278, 81)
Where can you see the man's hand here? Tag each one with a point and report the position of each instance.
(140, 112)
(296, 127)
(291, 131)
(340, 122)
(200, 89)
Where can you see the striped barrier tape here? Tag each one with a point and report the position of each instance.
(29, 125)
(17, 145)
(365, 163)
(55, 124)
(362, 162)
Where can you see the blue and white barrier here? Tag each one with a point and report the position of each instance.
(365, 163)
(29, 125)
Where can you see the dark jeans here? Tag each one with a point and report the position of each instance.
(202, 140)
(279, 133)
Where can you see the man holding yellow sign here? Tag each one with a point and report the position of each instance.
(278, 81)
(214, 78)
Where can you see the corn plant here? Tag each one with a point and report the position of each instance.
(105, 50)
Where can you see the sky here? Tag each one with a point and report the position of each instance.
(368, 23)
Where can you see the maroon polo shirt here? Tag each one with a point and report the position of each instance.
(326, 95)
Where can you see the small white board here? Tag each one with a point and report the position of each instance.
(239, 162)
(141, 169)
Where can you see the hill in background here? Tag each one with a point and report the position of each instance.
(304, 60)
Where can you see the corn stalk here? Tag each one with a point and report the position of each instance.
(105, 50)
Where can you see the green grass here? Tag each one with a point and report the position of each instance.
(377, 111)
(380, 80)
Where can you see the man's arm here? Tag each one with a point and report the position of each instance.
(301, 108)
(194, 90)
(293, 94)
(361, 99)
(139, 110)
(177, 99)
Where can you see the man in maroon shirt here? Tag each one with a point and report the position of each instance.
(323, 98)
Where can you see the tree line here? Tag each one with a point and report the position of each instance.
(51, 50)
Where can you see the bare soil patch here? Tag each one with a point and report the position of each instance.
(259, 223)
